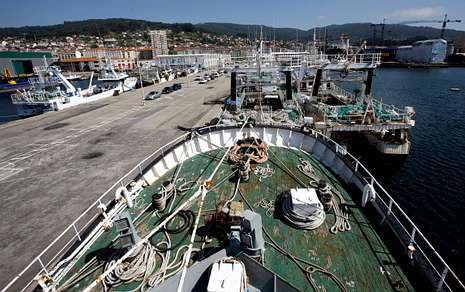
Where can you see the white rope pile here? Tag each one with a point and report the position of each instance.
(268, 205)
(180, 185)
(302, 218)
(342, 217)
(139, 266)
(142, 263)
(263, 172)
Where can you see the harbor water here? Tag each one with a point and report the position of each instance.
(431, 182)
(430, 185)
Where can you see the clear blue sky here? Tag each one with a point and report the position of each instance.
(284, 13)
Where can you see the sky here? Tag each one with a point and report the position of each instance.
(302, 14)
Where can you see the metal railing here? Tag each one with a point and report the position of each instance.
(76, 232)
(43, 69)
(33, 97)
(372, 59)
(43, 82)
(419, 250)
(389, 112)
(339, 91)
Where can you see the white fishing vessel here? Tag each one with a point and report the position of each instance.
(50, 90)
(108, 74)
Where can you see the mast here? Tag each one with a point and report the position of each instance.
(259, 65)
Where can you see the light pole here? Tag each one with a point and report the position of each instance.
(141, 85)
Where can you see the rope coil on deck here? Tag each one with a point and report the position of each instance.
(311, 267)
(268, 205)
(299, 220)
(251, 148)
(263, 172)
(169, 190)
(340, 211)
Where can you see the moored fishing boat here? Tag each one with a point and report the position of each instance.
(242, 207)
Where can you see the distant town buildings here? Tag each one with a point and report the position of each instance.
(159, 41)
(206, 61)
(88, 60)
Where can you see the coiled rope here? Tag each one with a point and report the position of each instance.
(141, 264)
(268, 205)
(342, 216)
(170, 190)
(311, 267)
(263, 172)
(302, 219)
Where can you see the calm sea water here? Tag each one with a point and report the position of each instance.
(430, 186)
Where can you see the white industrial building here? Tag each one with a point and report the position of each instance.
(193, 60)
(423, 52)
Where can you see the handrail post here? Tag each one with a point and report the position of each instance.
(77, 233)
(412, 235)
(388, 212)
(443, 278)
(42, 264)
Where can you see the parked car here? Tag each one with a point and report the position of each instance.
(152, 95)
(203, 81)
(167, 89)
(176, 86)
(198, 78)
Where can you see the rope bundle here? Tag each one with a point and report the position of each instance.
(169, 190)
(268, 205)
(342, 216)
(141, 266)
(302, 219)
(263, 172)
(249, 148)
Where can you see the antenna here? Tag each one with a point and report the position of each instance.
(325, 41)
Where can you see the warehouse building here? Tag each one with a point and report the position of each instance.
(22, 63)
(423, 52)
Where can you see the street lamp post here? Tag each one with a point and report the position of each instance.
(141, 85)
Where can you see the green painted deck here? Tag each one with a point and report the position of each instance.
(357, 257)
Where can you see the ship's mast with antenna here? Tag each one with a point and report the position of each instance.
(259, 70)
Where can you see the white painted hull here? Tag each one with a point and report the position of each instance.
(387, 148)
(129, 84)
(73, 101)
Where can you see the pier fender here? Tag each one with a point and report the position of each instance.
(369, 194)
(122, 192)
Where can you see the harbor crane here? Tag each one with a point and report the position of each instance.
(375, 25)
(444, 22)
